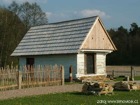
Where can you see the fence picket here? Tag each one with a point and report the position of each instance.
(29, 76)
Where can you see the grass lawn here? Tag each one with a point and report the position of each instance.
(137, 77)
(76, 98)
(121, 78)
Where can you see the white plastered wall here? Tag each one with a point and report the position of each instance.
(80, 64)
(100, 63)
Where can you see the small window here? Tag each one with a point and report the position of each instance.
(30, 61)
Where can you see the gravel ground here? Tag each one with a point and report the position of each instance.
(39, 90)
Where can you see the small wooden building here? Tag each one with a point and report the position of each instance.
(82, 43)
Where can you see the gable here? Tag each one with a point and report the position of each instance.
(98, 38)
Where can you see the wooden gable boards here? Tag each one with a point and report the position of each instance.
(98, 38)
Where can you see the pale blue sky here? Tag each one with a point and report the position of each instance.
(114, 13)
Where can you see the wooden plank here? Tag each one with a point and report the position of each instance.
(10, 86)
(98, 39)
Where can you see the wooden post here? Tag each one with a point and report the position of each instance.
(135, 72)
(2, 76)
(70, 73)
(127, 78)
(19, 79)
(113, 73)
(132, 76)
(62, 75)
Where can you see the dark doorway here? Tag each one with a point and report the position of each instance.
(90, 63)
(30, 67)
(30, 61)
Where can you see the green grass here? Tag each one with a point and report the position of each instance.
(137, 77)
(121, 78)
(74, 98)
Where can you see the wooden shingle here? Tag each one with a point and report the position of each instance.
(55, 38)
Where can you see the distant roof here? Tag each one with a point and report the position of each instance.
(56, 38)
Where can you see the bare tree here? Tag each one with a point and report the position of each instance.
(14, 7)
(37, 16)
(30, 14)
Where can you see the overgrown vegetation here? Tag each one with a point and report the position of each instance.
(15, 21)
(76, 98)
(11, 32)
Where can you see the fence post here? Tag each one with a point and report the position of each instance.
(19, 79)
(70, 73)
(132, 76)
(62, 75)
(113, 73)
(135, 72)
(128, 78)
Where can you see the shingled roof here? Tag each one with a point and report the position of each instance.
(56, 38)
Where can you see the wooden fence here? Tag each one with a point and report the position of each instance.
(27, 76)
(123, 70)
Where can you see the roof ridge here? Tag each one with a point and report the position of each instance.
(53, 23)
(73, 20)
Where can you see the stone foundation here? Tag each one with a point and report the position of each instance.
(93, 78)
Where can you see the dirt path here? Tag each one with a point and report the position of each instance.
(39, 90)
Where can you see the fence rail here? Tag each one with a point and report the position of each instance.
(123, 70)
(27, 76)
